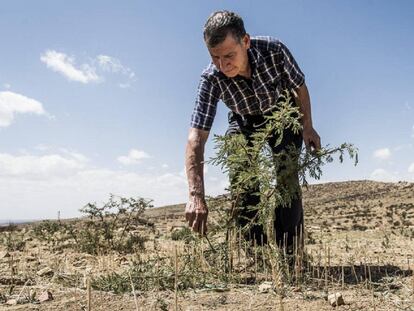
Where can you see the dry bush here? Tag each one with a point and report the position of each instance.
(110, 227)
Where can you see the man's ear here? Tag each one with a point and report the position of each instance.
(246, 40)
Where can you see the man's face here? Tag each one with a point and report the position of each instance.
(230, 56)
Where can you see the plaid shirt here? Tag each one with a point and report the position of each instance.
(273, 70)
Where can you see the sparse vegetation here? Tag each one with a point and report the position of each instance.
(111, 227)
(340, 258)
(13, 240)
(182, 234)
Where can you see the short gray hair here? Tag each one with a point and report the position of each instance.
(220, 24)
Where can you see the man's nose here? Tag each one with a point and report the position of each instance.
(223, 64)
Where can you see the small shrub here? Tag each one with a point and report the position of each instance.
(158, 273)
(110, 227)
(46, 230)
(13, 241)
(182, 234)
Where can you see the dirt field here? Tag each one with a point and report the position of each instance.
(359, 238)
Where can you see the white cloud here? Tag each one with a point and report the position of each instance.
(124, 85)
(380, 174)
(134, 156)
(164, 165)
(411, 168)
(93, 71)
(13, 103)
(382, 154)
(66, 66)
(6, 86)
(112, 64)
(40, 167)
(38, 186)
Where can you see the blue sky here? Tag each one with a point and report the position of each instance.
(96, 96)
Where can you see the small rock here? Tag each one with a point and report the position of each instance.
(336, 299)
(45, 272)
(265, 287)
(45, 296)
(11, 302)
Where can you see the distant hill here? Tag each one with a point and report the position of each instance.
(350, 205)
(6, 222)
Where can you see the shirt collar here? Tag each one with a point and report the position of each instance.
(255, 59)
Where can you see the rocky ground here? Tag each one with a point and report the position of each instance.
(360, 230)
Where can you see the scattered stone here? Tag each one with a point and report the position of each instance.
(265, 287)
(45, 272)
(11, 302)
(66, 243)
(222, 299)
(336, 300)
(45, 296)
(17, 301)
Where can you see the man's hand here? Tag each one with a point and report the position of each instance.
(311, 139)
(310, 136)
(196, 213)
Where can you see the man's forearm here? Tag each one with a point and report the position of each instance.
(196, 210)
(194, 168)
(194, 162)
(303, 100)
(310, 136)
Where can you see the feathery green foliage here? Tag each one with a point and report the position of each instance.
(251, 163)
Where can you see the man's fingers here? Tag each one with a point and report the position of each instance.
(190, 218)
(200, 223)
(309, 144)
(204, 225)
(318, 143)
(196, 224)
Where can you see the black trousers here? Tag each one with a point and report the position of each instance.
(288, 222)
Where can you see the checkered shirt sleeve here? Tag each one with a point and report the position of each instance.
(292, 75)
(208, 95)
